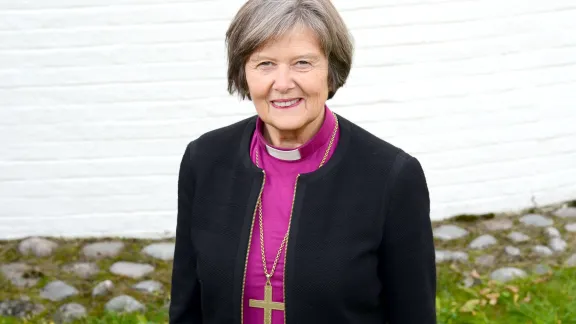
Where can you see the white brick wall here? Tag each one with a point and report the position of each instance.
(98, 99)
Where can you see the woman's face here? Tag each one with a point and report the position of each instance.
(288, 81)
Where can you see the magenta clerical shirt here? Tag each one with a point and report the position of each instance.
(276, 206)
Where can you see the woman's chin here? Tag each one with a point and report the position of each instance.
(288, 124)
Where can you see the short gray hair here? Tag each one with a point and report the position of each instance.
(259, 21)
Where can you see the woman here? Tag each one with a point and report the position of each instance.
(297, 215)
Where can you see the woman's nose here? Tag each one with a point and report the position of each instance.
(283, 80)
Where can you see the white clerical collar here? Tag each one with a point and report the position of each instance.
(286, 155)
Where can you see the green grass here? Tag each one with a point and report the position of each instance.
(546, 299)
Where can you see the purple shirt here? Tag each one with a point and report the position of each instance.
(276, 207)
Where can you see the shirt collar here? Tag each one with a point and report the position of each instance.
(315, 143)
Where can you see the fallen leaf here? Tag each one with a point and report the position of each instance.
(474, 274)
(485, 291)
(541, 279)
(469, 306)
(527, 298)
(493, 295)
(513, 289)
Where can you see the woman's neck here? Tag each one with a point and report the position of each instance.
(291, 139)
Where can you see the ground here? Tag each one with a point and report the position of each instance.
(485, 274)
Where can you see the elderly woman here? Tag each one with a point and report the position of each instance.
(298, 215)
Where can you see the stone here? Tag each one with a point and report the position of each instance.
(449, 256)
(57, 291)
(470, 281)
(487, 260)
(571, 227)
(148, 286)
(507, 274)
(541, 269)
(512, 251)
(571, 261)
(70, 312)
(498, 224)
(536, 220)
(37, 246)
(103, 288)
(542, 250)
(83, 270)
(566, 212)
(518, 237)
(552, 232)
(21, 274)
(20, 308)
(99, 250)
(124, 304)
(449, 232)
(557, 244)
(483, 242)
(161, 251)
(131, 269)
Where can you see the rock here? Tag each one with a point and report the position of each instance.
(161, 251)
(449, 232)
(542, 250)
(507, 274)
(20, 308)
(571, 227)
(124, 304)
(483, 242)
(536, 220)
(449, 256)
(566, 212)
(57, 291)
(103, 288)
(512, 251)
(470, 281)
(69, 312)
(518, 237)
(541, 269)
(83, 270)
(571, 261)
(103, 249)
(21, 274)
(498, 224)
(552, 232)
(37, 246)
(148, 286)
(486, 261)
(557, 244)
(131, 269)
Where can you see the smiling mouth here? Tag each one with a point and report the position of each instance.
(285, 104)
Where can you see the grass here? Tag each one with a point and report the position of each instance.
(547, 299)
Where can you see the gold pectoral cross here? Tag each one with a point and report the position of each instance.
(267, 304)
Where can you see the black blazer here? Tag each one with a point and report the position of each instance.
(360, 248)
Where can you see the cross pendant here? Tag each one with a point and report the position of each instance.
(267, 304)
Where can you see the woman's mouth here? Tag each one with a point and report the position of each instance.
(286, 103)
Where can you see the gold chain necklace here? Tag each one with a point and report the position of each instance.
(267, 304)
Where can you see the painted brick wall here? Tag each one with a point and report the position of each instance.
(98, 99)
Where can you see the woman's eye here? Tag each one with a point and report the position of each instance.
(265, 64)
(302, 63)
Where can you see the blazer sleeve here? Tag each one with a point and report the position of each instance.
(407, 265)
(185, 291)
